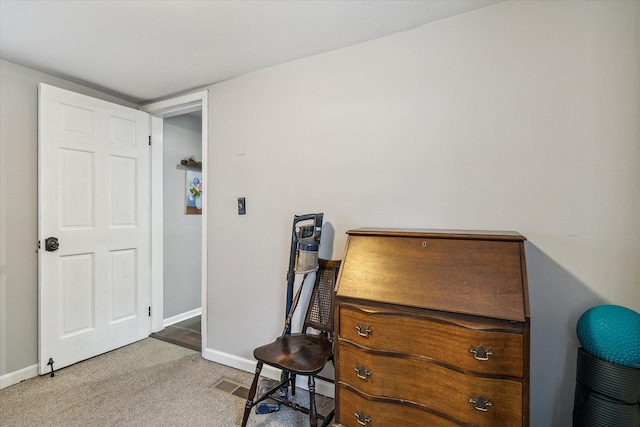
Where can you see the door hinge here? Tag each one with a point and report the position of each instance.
(149, 311)
(149, 139)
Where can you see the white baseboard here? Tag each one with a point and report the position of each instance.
(180, 317)
(20, 375)
(324, 388)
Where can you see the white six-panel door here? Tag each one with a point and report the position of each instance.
(93, 195)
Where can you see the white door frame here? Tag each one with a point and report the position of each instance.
(158, 111)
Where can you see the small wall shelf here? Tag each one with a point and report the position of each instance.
(190, 164)
(188, 168)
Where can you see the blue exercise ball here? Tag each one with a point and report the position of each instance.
(611, 333)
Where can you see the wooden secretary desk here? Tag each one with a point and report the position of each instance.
(432, 329)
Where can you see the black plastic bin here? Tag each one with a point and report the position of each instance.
(606, 394)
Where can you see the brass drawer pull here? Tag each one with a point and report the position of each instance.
(481, 353)
(363, 330)
(480, 403)
(361, 372)
(362, 418)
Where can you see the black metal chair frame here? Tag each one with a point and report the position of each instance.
(305, 353)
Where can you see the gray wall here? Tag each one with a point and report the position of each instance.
(182, 233)
(523, 116)
(18, 210)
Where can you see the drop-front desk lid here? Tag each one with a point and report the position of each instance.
(480, 273)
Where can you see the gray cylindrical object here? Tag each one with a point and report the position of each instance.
(606, 394)
(618, 382)
(596, 410)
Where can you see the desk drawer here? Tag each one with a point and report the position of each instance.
(430, 385)
(437, 339)
(354, 410)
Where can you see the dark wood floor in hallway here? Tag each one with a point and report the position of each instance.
(185, 334)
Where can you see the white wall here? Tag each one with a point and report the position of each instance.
(523, 116)
(18, 214)
(182, 137)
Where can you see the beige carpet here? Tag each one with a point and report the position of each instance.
(149, 383)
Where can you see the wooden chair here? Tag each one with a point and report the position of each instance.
(305, 353)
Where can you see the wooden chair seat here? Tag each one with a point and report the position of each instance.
(301, 353)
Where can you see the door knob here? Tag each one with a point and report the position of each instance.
(51, 244)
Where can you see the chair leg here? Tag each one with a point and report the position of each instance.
(252, 394)
(313, 414)
(293, 384)
(285, 379)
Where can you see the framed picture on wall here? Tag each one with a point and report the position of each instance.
(193, 193)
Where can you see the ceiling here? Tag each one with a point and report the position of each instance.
(149, 50)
